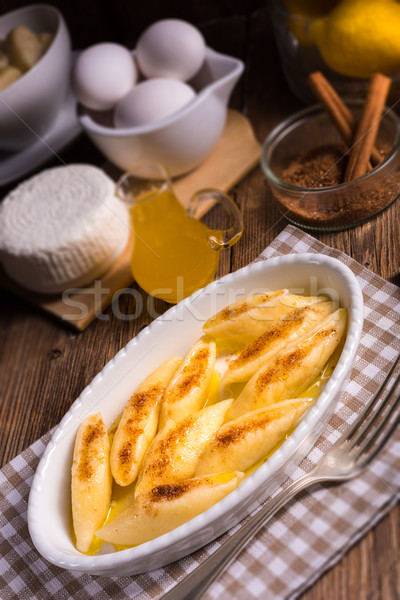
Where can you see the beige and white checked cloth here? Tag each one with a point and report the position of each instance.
(302, 542)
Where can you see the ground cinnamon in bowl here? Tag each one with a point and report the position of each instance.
(316, 168)
(306, 160)
(321, 167)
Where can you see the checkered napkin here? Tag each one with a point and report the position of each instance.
(302, 542)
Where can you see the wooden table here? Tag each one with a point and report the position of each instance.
(44, 366)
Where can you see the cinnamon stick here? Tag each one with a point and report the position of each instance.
(368, 126)
(338, 111)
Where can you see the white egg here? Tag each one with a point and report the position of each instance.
(151, 101)
(102, 75)
(170, 48)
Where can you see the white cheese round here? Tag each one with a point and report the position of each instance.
(62, 228)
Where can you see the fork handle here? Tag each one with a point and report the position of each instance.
(195, 584)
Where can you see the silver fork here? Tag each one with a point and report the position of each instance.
(345, 459)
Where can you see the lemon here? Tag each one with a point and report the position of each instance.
(360, 37)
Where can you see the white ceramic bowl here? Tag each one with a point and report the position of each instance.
(29, 106)
(183, 140)
(169, 335)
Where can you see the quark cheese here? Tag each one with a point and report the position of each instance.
(62, 228)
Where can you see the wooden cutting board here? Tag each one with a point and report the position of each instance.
(235, 155)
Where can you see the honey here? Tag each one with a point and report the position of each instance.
(172, 256)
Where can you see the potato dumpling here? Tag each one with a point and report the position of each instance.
(290, 372)
(91, 480)
(8, 75)
(188, 390)
(175, 450)
(165, 507)
(138, 424)
(239, 444)
(242, 322)
(20, 51)
(45, 39)
(4, 60)
(23, 47)
(288, 328)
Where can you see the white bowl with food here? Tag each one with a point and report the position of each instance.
(36, 52)
(174, 333)
(182, 140)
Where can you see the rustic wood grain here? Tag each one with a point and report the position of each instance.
(44, 366)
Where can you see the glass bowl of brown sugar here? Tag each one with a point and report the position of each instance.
(304, 160)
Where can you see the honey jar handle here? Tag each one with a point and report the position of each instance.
(202, 201)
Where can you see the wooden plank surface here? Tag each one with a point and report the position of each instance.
(44, 367)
